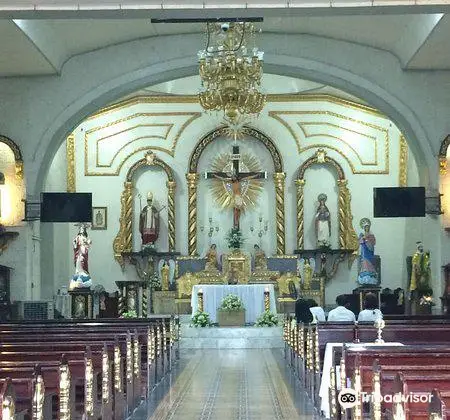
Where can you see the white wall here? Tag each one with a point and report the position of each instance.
(364, 143)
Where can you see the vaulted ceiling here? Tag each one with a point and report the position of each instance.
(41, 46)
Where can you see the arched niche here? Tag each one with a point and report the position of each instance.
(192, 178)
(348, 239)
(12, 185)
(124, 239)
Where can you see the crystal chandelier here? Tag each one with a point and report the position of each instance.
(230, 68)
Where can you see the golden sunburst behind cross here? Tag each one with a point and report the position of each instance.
(222, 190)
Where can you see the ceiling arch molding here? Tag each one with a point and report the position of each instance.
(111, 88)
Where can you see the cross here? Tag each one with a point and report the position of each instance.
(235, 178)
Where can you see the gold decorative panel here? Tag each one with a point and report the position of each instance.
(364, 145)
(70, 158)
(108, 146)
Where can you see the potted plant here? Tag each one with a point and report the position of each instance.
(234, 238)
(231, 312)
(267, 319)
(425, 301)
(200, 319)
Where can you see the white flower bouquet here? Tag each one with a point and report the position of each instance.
(201, 319)
(231, 303)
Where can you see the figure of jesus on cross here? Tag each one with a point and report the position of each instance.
(235, 178)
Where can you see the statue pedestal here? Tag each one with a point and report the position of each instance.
(82, 303)
(145, 263)
(133, 296)
(164, 302)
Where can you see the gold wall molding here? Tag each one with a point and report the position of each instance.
(192, 180)
(303, 127)
(70, 161)
(246, 130)
(403, 163)
(18, 159)
(123, 241)
(132, 140)
(192, 116)
(279, 179)
(443, 155)
(347, 235)
(193, 99)
(277, 115)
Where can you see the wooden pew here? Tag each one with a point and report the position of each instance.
(149, 348)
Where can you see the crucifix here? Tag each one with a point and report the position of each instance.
(235, 178)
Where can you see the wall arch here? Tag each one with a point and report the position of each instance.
(305, 60)
(348, 239)
(279, 178)
(123, 242)
(17, 155)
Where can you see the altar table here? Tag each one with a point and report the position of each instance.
(252, 295)
(327, 364)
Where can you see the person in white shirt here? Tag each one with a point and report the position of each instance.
(341, 313)
(317, 311)
(370, 312)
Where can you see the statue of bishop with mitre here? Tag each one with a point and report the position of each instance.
(149, 222)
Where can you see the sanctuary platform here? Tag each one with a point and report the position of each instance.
(231, 337)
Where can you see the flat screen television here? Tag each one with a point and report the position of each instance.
(66, 207)
(399, 202)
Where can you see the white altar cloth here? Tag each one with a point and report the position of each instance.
(327, 364)
(252, 295)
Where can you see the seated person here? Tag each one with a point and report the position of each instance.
(317, 311)
(341, 313)
(370, 312)
(302, 312)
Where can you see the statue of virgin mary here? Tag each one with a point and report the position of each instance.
(323, 222)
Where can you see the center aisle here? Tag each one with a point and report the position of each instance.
(247, 384)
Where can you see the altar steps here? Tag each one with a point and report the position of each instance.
(230, 338)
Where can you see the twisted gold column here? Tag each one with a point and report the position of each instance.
(279, 178)
(300, 183)
(192, 179)
(347, 235)
(171, 185)
(124, 239)
(70, 158)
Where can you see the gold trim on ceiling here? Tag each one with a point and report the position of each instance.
(276, 116)
(193, 99)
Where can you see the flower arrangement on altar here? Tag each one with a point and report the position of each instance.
(200, 319)
(129, 314)
(234, 238)
(267, 319)
(231, 303)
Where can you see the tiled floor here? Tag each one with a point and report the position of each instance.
(230, 384)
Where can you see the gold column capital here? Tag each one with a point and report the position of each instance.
(279, 176)
(192, 178)
(171, 185)
(342, 182)
(300, 182)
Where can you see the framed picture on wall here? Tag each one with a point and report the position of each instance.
(99, 218)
